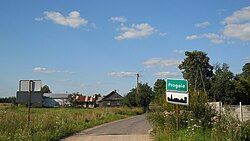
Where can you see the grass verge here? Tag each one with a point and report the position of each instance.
(55, 123)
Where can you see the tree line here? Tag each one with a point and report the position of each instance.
(8, 100)
(216, 82)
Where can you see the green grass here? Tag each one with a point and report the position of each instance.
(227, 129)
(182, 135)
(55, 123)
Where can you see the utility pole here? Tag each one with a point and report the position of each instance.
(137, 83)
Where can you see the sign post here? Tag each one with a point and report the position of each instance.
(29, 101)
(177, 93)
(28, 87)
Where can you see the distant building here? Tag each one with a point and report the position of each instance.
(98, 101)
(56, 100)
(113, 99)
(36, 98)
(85, 101)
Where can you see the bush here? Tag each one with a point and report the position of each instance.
(202, 113)
(195, 120)
(229, 128)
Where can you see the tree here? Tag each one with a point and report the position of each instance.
(72, 99)
(8, 100)
(142, 99)
(242, 82)
(131, 99)
(145, 95)
(222, 86)
(45, 89)
(197, 70)
(246, 71)
(160, 91)
(96, 96)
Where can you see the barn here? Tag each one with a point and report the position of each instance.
(56, 100)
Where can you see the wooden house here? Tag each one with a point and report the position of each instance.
(113, 99)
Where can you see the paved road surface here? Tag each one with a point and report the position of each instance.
(131, 129)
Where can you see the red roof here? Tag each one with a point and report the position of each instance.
(85, 99)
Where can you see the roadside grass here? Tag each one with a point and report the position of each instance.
(5, 105)
(55, 123)
(182, 135)
(226, 129)
(198, 122)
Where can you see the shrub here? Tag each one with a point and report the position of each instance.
(202, 113)
(195, 120)
(229, 128)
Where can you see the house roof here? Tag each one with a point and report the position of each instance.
(113, 96)
(56, 95)
(85, 99)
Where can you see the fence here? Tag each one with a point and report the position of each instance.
(241, 112)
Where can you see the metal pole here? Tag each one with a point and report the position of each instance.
(220, 109)
(241, 114)
(29, 102)
(177, 115)
(203, 82)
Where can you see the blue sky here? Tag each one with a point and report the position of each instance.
(98, 46)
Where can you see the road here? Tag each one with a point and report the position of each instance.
(131, 129)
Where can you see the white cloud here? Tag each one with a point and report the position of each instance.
(238, 24)
(159, 62)
(120, 19)
(96, 84)
(47, 70)
(163, 34)
(202, 25)
(38, 19)
(166, 74)
(240, 31)
(73, 20)
(221, 11)
(179, 51)
(239, 16)
(192, 37)
(122, 74)
(137, 31)
(214, 38)
(247, 59)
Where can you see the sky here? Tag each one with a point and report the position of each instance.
(93, 46)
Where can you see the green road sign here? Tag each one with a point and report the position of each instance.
(177, 85)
